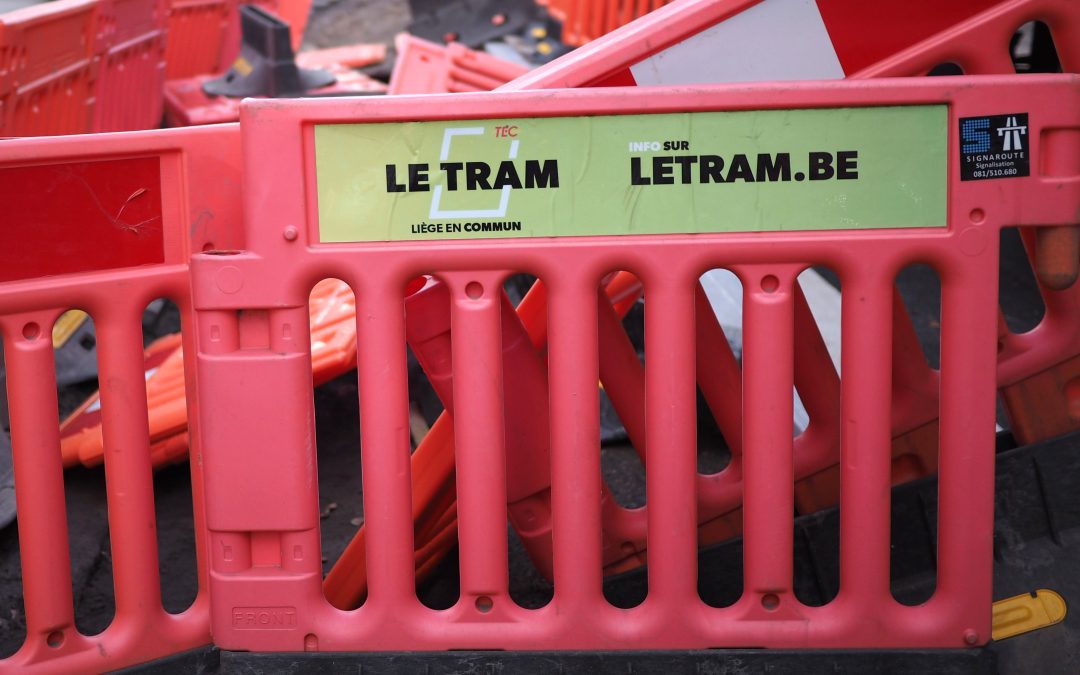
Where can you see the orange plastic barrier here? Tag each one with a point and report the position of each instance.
(264, 531)
(130, 53)
(424, 67)
(117, 191)
(47, 69)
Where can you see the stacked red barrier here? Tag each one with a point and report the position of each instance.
(130, 56)
(424, 67)
(47, 69)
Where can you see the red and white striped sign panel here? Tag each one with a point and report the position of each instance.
(712, 41)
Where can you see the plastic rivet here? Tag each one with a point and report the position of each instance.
(290, 233)
(55, 639)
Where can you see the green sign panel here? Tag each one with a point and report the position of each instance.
(681, 173)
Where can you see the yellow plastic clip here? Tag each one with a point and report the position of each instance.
(1025, 613)
(66, 326)
(242, 66)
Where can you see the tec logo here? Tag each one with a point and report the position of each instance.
(994, 146)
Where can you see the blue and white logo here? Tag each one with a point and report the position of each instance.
(1012, 133)
(994, 146)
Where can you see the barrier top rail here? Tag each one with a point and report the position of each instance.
(862, 177)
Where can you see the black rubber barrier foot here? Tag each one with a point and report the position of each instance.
(266, 65)
(726, 661)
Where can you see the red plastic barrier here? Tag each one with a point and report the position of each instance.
(195, 191)
(424, 67)
(584, 21)
(130, 51)
(47, 69)
(266, 568)
(197, 30)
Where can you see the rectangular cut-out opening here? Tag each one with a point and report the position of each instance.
(620, 348)
(13, 628)
(718, 325)
(916, 378)
(332, 325)
(75, 350)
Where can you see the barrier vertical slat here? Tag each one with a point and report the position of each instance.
(768, 420)
(671, 441)
(865, 438)
(384, 440)
(574, 407)
(479, 433)
(39, 475)
(128, 470)
(966, 441)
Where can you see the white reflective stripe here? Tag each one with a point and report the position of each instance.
(824, 301)
(774, 40)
